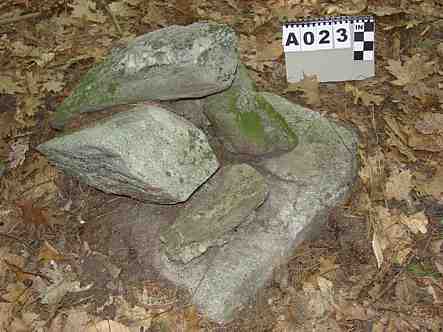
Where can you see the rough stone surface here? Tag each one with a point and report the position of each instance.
(147, 153)
(245, 122)
(171, 63)
(225, 202)
(304, 185)
(190, 109)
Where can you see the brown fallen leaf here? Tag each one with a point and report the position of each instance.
(416, 223)
(32, 82)
(32, 215)
(17, 293)
(169, 320)
(347, 7)
(86, 9)
(18, 152)
(433, 187)
(309, 85)
(436, 292)
(71, 320)
(107, 326)
(53, 86)
(391, 241)
(191, 319)
(7, 85)
(48, 253)
(385, 10)
(365, 97)
(399, 185)
(7, 314)
(433, 143)
(270, 51)
(411, 71)
(431, 123)
(393, 140)
(421, 91)
(407, 291)
(122, 9)
(373, 167)
(351, 310)
(20, 274)
(396, 128)
(438, 262)
(8, 259)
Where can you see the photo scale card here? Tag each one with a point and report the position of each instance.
(333, 48)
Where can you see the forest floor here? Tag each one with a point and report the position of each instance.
(378, 265)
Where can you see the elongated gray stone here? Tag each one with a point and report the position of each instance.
(147, 153)
(167, 64)
(218, 208)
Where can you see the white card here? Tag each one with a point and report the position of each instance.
(324, 36)
(342, 35)
(307, 37)
(332, 48)
(291, 38)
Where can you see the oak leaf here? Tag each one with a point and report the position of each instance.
(399, 185)
(365, 97)
(416, 223)
(411, 71)
(309, 85)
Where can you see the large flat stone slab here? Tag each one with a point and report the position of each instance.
(147, 153)
(167, 64)
(304, 184)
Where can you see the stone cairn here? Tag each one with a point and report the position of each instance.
(240, 213)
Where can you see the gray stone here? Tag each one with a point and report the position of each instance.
(217, 209)
(190, 109)
(245, 122)
(147, 153)
(304, 185)
(167, 64)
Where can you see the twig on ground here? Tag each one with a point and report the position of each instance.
(18, 269)
(15, 239)
(19, 18)
(393, 280)
(113, 18)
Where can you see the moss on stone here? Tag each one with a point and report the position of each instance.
(251, 125)
(90, 91)
(277, 119)
(113, 86)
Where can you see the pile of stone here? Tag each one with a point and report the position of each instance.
(252, 173)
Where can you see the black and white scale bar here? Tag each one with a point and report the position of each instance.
(328, 19)
(364, 38)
